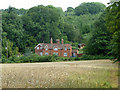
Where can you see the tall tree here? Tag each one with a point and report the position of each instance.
(42, 22)
(113, 25)
(12, 25)
(99, 43)
(89, 8)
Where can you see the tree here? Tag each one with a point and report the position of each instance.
(113, 25)
(70, 9)
(12, 25)
(42, 22)
(15, 11)
(89, 8)
(99, 43)
(7, 47)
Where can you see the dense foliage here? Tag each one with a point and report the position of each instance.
(92, 8)
(26, 28)
(105, 38)
(113, 25)
(88, 23)
(99, 42)
(36, 58)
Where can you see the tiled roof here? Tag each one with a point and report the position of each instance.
(52, 46)
(82, 44)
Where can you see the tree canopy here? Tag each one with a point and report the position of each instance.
(90, 23)
(91, 7)
(113, 25)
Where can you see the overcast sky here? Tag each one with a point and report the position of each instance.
(57, 3)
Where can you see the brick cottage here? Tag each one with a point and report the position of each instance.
(60, 49)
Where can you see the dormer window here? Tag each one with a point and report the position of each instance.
(65, 49)
(37, 48)
(40, 47)
(55, 49)
(46, 49)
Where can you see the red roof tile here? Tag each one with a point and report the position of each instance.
(51, 46)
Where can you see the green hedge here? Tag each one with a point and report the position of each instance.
(36, 58)
(94, 57)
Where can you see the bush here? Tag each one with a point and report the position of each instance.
(53, 58)
(93, 57)
(3, 59)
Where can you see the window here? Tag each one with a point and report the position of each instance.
(37, 48)
(65, 54)
(74, 54)
(65, 49)
(41, 53)
(55, 49)
(46, 53)
(55, 54)
(40, 47)
(46, 49)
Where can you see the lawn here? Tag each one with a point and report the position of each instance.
(73, 74)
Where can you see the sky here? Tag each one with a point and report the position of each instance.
(26, 4)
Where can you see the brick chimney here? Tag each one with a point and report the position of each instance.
(62, 41)
(51, 41)
(57, 41)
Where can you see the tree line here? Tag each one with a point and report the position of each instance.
(105, 37)
(88, 23)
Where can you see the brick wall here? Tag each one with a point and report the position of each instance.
(51, 51)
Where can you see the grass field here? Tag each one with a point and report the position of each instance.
(76, 74)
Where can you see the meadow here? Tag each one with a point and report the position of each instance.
(69, 74)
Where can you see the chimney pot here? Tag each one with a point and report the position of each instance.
(51, 41)
(62, 41)
(57, 41)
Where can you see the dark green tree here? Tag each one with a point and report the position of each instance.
(89, 8)
(42, 22)
(99, 43)
(12, 25)
(113, 25)
(70, 9)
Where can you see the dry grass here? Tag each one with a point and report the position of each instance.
(77, 74)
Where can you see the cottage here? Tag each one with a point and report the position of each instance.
(60, 49)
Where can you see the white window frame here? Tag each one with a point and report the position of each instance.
(65, 54)
(37, 48)
(55, 49)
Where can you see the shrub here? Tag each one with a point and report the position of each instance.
(3, 59)
(93, 57)
(53, 58)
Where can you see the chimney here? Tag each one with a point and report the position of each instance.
(62, 41)
(51, 41)
(57, 41)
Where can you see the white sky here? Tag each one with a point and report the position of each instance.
(56, 3)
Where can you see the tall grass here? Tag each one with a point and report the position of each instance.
(85, 74)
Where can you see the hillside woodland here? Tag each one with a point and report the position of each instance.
(91, 23)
